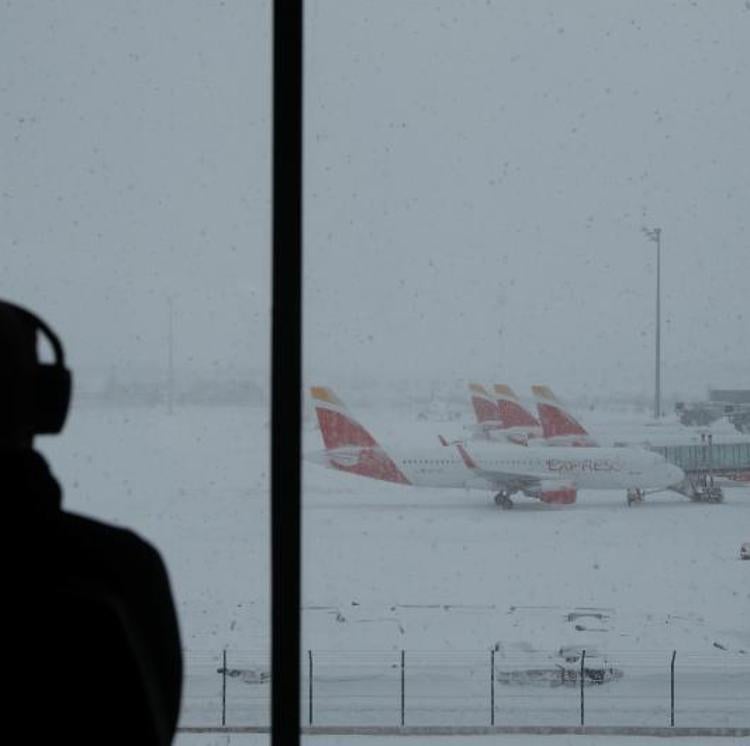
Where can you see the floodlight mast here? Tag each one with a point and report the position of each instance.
(654, 234)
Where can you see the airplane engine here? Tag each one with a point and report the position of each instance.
(559, 496)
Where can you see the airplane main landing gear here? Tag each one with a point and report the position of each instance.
(502, 499)
(634, 496)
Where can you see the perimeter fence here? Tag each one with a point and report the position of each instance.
(457, 689)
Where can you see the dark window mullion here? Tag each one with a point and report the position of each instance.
(286, 371)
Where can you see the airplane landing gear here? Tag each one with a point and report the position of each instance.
(634, 496)
(502, 499)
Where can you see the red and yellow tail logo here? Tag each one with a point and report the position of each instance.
(511, 412)
(485, 408)
(338, 428)
(555, 420)
(349, 446)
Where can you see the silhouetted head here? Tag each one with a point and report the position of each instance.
(34, 396)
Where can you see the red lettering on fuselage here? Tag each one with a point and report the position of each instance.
(584, 465)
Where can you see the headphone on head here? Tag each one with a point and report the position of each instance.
(44, 391)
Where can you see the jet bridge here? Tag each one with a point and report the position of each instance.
(706, 465)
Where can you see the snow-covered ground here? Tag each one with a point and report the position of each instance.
(390, 568)
(510, 740)
(503, 740)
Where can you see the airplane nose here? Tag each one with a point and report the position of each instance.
(676, 475)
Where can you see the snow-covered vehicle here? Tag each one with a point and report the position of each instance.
(563, 669)
(745, 550)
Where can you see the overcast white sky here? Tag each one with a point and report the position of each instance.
(477, 177)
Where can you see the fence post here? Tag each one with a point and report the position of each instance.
(403, 688)
(310, 687)
(492, 686)
(224, 687)
(583, 662)
(671, 689)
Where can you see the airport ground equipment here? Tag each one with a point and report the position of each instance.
(734, 404)
(707, 465)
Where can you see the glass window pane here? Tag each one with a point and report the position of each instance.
(491, 191)
(135, 204)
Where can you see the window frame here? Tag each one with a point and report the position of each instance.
(286, 370)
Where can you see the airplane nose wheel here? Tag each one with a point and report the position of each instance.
(634, 497)
(502, 500)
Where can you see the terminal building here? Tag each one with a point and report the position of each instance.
(734, 404)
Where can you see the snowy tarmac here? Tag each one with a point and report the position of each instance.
(431, 572)
(503, 740)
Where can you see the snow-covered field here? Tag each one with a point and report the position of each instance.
(433, 572)
(504, 740)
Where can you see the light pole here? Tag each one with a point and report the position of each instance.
(654, 234)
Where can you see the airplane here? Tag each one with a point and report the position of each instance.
(502, 417)
(513, 414)
(552, 476)
(559, 427)
(489, 425)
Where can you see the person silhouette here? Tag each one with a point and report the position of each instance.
(94, 645)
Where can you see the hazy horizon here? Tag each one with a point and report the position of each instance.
(477, 178)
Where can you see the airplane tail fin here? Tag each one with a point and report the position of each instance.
(338, 427)
(512, 413)
(556, 421)
(485, 408)
(349, 446)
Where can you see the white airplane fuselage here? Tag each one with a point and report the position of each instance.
(583, 468)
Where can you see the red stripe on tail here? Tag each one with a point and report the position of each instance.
(485, 408)
(510, 411)
(349, 446)
(370, 462)
(339, 431)
(556, 422)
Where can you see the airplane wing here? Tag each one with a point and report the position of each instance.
(548, 490)
(500, 479)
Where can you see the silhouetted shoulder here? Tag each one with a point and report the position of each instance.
(132, 569)
(118, 548)
(96, 609)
